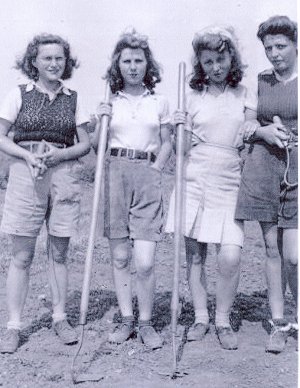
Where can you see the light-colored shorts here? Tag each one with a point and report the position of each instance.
(55, 199)
(133, 200)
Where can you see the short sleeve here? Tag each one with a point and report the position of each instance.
(251, 97)
(11, 105)
(164, 113)
(81, 114)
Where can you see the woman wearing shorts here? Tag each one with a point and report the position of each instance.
(42, 185)
(213, 127)
(138, 148)
(267, 194)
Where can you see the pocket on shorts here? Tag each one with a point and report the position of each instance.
(66, 182)
(76, 168)
(156, 172)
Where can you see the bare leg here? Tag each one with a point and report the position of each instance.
(121, 257)
(227, 283)
(283, 266)
(18, 276)
(273, 269)
(228, 279)
(58, 274)
(196, 256)
(144, 255)
(290, 254)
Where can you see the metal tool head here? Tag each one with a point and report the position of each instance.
(173, 375)
(86, 377)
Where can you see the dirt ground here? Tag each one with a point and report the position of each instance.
(41, 361)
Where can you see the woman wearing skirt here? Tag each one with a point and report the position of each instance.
(214, 133)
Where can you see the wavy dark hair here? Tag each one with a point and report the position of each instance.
(25, 63)
(220, 43)
(133, 40)
(278, 25)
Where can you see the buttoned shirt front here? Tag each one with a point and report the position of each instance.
(136, 121)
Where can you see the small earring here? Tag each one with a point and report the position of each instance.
(206, 77)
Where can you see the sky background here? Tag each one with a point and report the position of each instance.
(92, 27)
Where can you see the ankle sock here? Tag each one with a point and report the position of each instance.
(201, 316)
(145, 322)
(222, 319)
(128, 319)
(16, 325)
(280, 322)
(59, 317)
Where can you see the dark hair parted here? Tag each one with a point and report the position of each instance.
(133, 40)
(220, 43)
(25, 63)
(276, 25)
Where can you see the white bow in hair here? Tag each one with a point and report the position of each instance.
(225, 31)
(132, 34)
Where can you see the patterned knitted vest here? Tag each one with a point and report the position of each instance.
(39, 118)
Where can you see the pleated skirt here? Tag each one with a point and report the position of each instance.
(211, 182)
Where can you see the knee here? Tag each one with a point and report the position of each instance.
(59, 257)
(58, 249)
(22, 260)
(195, 259)
(144, 271)
(290, 254)
(272, 251)
(120, 262)
(229, 265)
(292, 260)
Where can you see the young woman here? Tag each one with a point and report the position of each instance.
(42, 185)
(215, 113)
(138, 148)
(269, 191)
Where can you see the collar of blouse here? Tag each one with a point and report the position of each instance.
(31, 85)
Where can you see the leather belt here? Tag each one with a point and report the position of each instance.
(132, 154)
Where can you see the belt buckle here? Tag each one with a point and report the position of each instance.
(130, 153)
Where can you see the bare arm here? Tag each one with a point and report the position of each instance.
(165, 149)
(10, 148)
(180, 117)
(56, 155)
(273, 134)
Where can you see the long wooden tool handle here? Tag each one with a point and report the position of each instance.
(178, 197)
(102, 127)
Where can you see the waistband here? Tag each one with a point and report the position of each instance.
(39, 146)
(216, 145)
(131, 153)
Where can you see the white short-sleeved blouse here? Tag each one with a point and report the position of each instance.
(136, 121)
(218, 119)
